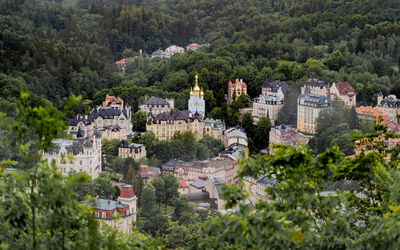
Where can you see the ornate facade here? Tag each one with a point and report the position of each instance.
(237, 89)
(196, 101)
(308, 108)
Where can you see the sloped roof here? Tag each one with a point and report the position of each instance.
(108, 112)
(344, 88)
(156, 101)
(275, 85)
(237, 82)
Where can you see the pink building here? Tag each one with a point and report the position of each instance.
(193, 46)
(345, 92)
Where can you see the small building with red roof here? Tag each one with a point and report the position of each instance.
(345, 92)
(112, 101)
(238, 88)
(183, 187)
(193, 46)
(119, 214)
(122, 63)
(371, 113)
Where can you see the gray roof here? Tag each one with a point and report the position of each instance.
(318, 101)
(182, 115)
(125, 144)
(275, 85)
(390, 101)
(198, 184)
(104, 204)
(265, 181)
(108, 112)
(155, 101)
(79, 118)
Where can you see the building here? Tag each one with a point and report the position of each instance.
(112, 116)
(390, 105)
(223, 168)
(237, 89)
(157, 105)
(158, 53)
(111, 132)
(214, 189)
(112, 101)
(183, 187)
(372, 114)
(275, 88)
(122, 64)
(196, 101)
(172, 50)
(164, 125)
(345, 92)
(314, 86)
(235, 137)
(308, 108)
(193, 46)
(120, 214)
(80, 126)
(285, 135)
(213, 128)
(86, 154)
(132, 150)
(256, 188)
(148, 173)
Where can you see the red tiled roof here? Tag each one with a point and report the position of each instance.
(344, 88)
(121, 62)
(370, 111)
(183, 184)
(237, 82)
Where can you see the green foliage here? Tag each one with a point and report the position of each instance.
(139, 120)
(101, 187)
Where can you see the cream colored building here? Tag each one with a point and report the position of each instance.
(86, 155)
(345, 92)
(111, 132)
(133, 150)
(314, 86)
(213, 128)
(157, 105)
(390, 105)
(267, 106)
(235, 137)
(308, 108)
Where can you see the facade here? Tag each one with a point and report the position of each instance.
(172, 50)
(86, 153)
(308, 108)
(314, 86)
(133, 150)
(390, 105)
(256, 188)
(237, 89)
(148, 173)
(285, 135)
(157, 105)
(275, 88)
(213, 128)
(111, 132)
(80, 126)
(164, 125)
(235, 137)
(196, 101)
(345, 92)
(223, 168)
(266, 106)
(112, 116)
(107, 210)
(193, 46)
(372, 114)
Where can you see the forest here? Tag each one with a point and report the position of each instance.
(58, 58)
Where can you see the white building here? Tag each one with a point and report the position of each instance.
(235, 137)
(173, 49)
(86, 155)
(390, 105)
(157, 105)
(345, 92)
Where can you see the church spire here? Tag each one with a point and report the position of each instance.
(196, 85)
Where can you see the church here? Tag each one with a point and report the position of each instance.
(196, 101)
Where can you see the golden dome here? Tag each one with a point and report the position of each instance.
(202, 92)
(196, 85)
(191, 91)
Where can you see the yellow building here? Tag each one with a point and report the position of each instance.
(111, 132)
(308, 108)
(133, 150)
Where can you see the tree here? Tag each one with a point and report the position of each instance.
(109, 150)
(139, 120)
(220, 99)
(335, 60)
(148, 202)
(171, 186)
(158, 184)
(217, 114)
(248, 123)
(261, 133)
(210, 100)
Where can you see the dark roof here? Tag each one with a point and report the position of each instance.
(79, 118)
(265, 181)
(275, 85)
(125, 144)
(182, 115)
(314, 82)
(155, 101)
(318, 100)
(113, 128)
(108, 112)
(390, 101)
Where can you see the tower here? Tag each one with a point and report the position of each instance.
(196, 101)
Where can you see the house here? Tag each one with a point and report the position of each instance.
(183, 187)
(119, 214)
(256, 188)
(112, 116)
(223, 168)
(122, 64)
(193, 46)
(285, 135)
(196, 101)
(148, 173)
(196, 186)
(112, 101)
(235, 153)
(235, 137)
(314, 86)
(390, 105)
(132, 150)
(158, 53)
(81, 126)
(275, 88)
(308, 108)
(237, 89)
(164, 125)
(111, 132)
(213, 128)
(156, 105)
(86, 155)
(214, 188)
(345, 92)
(372, 114)
(172, 50)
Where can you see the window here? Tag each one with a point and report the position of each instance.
(103, 215)
(127, 212)
(80, 162)
(97, 214)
